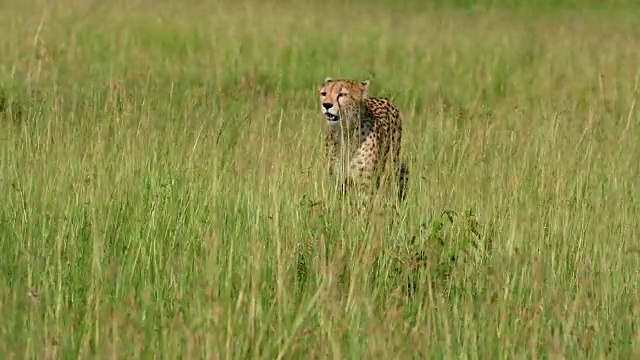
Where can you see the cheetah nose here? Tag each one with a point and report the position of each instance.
(327, 105)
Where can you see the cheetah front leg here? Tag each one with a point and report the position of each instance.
(330, 150)
(362, 171)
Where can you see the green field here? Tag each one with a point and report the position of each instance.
(165, 193)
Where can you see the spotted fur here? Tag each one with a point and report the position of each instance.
(363, 134)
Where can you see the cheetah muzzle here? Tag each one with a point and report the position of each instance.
(331, 118)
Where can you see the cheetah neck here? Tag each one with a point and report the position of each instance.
(348, 138)
(348, 128)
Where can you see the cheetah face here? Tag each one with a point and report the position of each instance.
(342, 99)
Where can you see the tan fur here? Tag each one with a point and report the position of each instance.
(363, 134)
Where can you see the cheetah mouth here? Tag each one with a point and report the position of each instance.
(331, 117)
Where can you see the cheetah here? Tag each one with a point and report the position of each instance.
(363, 135)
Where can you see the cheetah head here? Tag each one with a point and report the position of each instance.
(342, 99)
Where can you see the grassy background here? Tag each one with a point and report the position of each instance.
(163, 193)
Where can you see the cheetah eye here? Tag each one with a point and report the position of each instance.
(342, 94)
(324, 93)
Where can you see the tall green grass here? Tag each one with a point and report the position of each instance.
(164, 193)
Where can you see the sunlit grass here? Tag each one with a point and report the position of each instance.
(165, 193)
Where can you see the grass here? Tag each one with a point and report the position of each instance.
(164, 194)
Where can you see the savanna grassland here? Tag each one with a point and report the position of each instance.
(164, 192)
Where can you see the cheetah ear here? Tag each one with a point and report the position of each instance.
(328, 79)
(364, 85)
